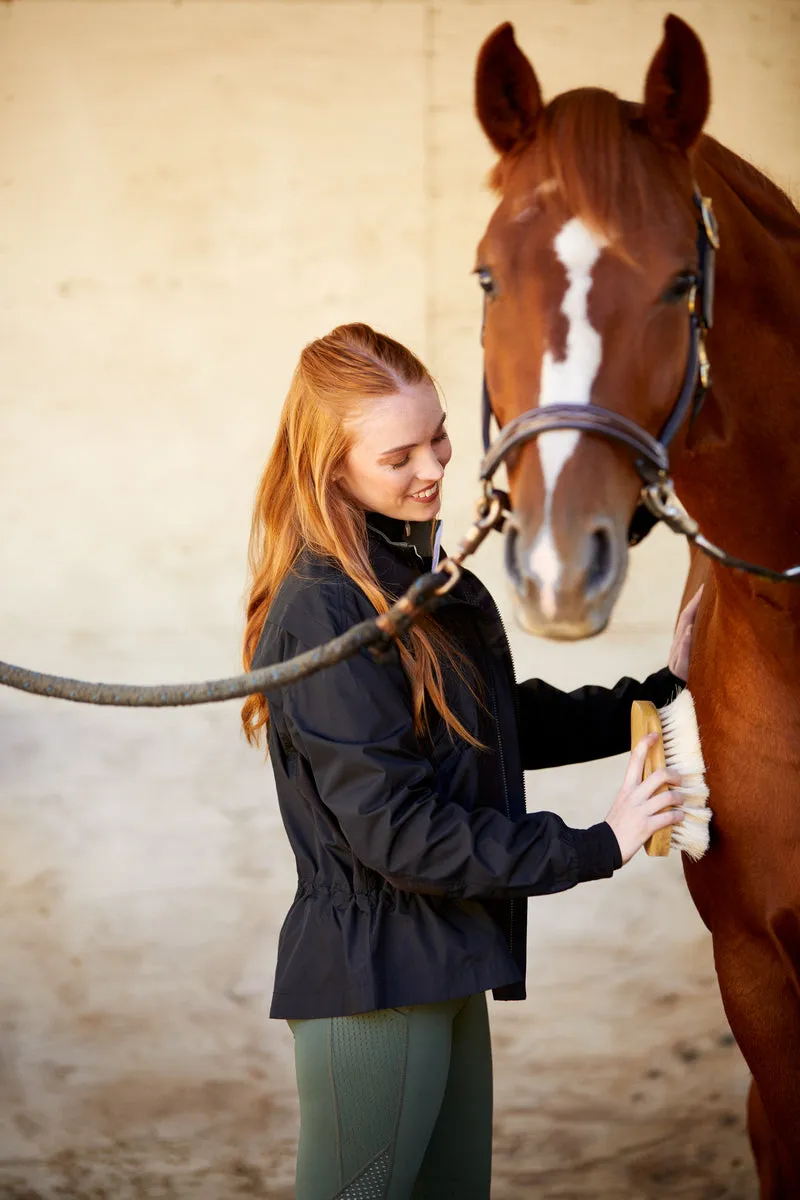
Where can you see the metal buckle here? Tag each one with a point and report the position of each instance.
(453, 570)
(709, 221)
(705, 365)
(489, 516)
(490, 508)
(659, 497)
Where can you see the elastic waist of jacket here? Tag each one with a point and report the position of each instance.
(343, 893)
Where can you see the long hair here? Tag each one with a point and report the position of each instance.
(300, 506)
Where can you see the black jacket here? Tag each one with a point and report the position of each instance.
(415, 856)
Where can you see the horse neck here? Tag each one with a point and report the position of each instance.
(738, 469)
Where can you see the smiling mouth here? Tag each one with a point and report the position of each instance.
(428, 494)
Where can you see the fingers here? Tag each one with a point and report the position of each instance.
(685, 624)
(672, 816)
(686, 619)
(661, 800)
(690, 611)
(635, 768)
(683, 630)
(663, 776)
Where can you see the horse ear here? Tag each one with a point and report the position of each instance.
(508, 100)
(677, 91)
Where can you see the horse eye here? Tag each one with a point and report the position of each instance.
(486, 280)
(680, 286)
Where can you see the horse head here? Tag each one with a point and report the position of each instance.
(588, 264)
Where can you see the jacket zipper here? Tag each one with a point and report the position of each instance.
(511, 903)
(504, 778)
(503, 774)
(511, 908)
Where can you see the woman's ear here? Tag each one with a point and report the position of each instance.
(508, 99)
(677, 91)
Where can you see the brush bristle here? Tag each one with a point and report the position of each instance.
(684, 756)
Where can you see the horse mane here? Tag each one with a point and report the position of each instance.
(774, 208)
(613, 176)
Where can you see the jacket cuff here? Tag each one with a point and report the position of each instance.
(598, 852)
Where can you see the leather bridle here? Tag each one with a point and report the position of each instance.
(650, 454)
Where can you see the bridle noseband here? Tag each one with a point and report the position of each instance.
(651, 454)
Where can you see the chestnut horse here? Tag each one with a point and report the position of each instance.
(590, 264)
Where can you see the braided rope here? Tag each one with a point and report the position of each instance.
(375, 634)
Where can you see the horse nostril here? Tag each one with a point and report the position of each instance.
(601, 560)
(511, 551)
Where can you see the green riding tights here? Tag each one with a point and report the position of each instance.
(396, 1104)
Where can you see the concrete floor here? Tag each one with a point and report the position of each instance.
(189, 192)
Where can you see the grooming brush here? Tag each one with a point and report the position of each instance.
(677, 749)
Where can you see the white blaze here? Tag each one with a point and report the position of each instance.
(568, 381)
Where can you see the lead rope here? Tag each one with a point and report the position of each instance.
(375, 634)
(662, 502)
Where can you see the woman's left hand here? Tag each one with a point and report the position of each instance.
(681, 650)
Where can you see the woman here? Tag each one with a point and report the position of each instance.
(401, 786)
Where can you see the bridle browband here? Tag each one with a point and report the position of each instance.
(651, 454)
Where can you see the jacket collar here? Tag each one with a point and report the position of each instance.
(399, 557)
(415, 538)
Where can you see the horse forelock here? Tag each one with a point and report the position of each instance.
(607, 170)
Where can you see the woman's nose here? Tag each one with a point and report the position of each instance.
(432, 468)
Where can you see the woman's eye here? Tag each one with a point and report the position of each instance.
(486, 280)
(439, 437)
(680, 286)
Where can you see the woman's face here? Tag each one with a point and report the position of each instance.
(398, 455)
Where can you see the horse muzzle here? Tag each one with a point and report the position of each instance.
(565, 592)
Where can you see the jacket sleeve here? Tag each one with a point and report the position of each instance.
(556, 728)
(352, 724)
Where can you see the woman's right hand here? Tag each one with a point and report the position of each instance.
(635, 814)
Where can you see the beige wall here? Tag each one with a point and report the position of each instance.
(188, 192)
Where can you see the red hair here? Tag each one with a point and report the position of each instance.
(300, 506)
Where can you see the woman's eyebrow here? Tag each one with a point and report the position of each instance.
(411, 445)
